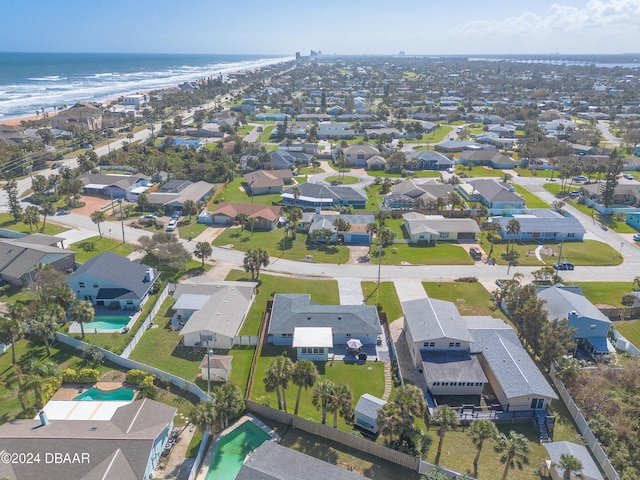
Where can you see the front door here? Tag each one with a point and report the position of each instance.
(537, 403)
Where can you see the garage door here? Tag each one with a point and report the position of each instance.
(359, 238)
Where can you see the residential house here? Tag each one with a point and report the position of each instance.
(21, 257)
(83, 115)
(495, 195)
(633, 220)
(428, 160)
(452, 146)
(542, 225)
(211, 313)
(134, 100)
(318, 195)
(556, 450)
(345, 321)
(438, 341)
(335, 131)
(273, 117)
(110, 280)
(461, 355)
(488, 158)
(272, 461)
(264, 217)
(627, 194)
(366, 412)
(216, 368)
(172, 196)
(125, 444)
(286, 159)
(15, 135)
(208, 130)
(376, 163)
(358, 154)
(357, 233)
(404, 194)
(312, 343)
(592, 326)
(114, 185)
(264, 182)
(431, 228)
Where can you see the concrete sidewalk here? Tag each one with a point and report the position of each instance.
(409, 289)
(350, 291)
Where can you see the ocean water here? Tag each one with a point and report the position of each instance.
(32, 81)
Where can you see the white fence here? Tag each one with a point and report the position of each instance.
(625, 345)
(246, 340)
(147, 321)
(588, 436)
(201, 450)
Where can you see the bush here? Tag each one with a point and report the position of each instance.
(69, 375)
(88, 375)
(628, 299)
(136, 377)
(147, 388)
(48, 391)
(467, 279)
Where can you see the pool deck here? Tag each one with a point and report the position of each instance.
(204, 468)
(69, 391)
(75, 326)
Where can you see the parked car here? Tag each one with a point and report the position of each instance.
(55, 165)
(62, 212)
(475, 252)
(176, 214)
(564, 266)
(86, 145)
(636, 237)
(172, 225)
(628, 176)
(580, 179)
(152, 217)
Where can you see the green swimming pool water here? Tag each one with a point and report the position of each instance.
(107, 322)
(121, 394)
(232, 449)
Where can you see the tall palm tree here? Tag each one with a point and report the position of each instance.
(295, 215)
(203, 251)
(277, 379)
(570, 464)
(340, 402)
(512, 446)
(390, 420)
(253, 260)
(479, 431)
(31, 216)
(47, 210)
(410, 400)
(189, 208)
(19, 378)
(295, 190)
(322, 392)
(304, 374)
(98, 217)
(242, 219)
(204, 414)
(228, 402)
(513, 228)
(82, 312)
(11, 328)
(43, 325)
(447, 418)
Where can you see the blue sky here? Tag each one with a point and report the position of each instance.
(332, 26)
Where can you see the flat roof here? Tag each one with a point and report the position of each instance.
(448, 366)
(312, 337)
(81, 410)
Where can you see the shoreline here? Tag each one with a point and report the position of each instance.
(16, 121)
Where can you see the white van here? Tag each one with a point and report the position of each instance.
(172, 225)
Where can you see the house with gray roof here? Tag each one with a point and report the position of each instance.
(555, 450)
(542, 225)
(428, 160)
(346, 321)
(452, 146)
(211, 313)
(282, 159)
(127, 446)
(460, 355)
(357, 155)
(114, 185)
(111, 280)
(272, 461)
(20, 257)
(357, 233)
(487, 158)
(592, 326)
(324, 196)
(366, 412)
(431, 228)
(172, 196)
(493, 194)
(404, 194)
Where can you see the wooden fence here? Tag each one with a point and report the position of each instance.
(627, 313)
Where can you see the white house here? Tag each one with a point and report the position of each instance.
(366, 412)
(312, 343)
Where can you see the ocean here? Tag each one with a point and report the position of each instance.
(32, 81)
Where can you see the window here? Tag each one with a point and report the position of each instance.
(429, 344)
(287, 335)
(444, 234)
(312, 350)
(129, 302)
(592, 327)
(454, 344)
(95, 285)
(571, 235)
(81, 284)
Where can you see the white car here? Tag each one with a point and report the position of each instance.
(628, 176)
(636, 237)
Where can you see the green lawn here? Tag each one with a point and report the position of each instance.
(395, 173)
(532, 200)
(322, 292)
(190, 228)
(630, 330)
(6, 221)
(310, 170)
(470, 298)
(365, 378)
(437, 135)
(374, 198)
(386, 297)
(439, 254)
(15, 294)
(233, 193)
(463, 171)
(265, 136)
(343, 179)
(94, 246)
(586, 252)
(272, 241)
(605, 292)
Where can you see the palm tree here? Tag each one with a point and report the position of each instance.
(340, 402)
(410, 400)
(31, 216)
(204, 414)
(47, 209)
(189, 208)
(19, 378)
(295, 190)
(390, 420)
(322, 392)
(228, 403)
(513, 446)
(277, 379)
(304, 374)
(570, 464)
(447, 418)
(253, 260)
(98, 217)
(295, 215)
(10, 331)
(43, 325)
(513, 228)
(242, 219)
(203, 251)
(82, 312)
(479, 431)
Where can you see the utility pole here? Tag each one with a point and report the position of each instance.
(122, 223)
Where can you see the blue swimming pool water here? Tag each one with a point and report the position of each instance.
(107, 322)
(120, 394)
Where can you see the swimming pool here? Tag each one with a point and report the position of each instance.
(233, 448)
(107, 322)
(101, 395)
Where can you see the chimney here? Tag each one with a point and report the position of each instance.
(148, 275)
(43, 418)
